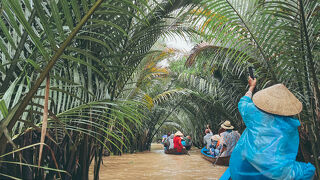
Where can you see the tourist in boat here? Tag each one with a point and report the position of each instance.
(207, 137)
(177, 141)
(170, 141)
(188, 141)
(229, 139)
(164, 137)
(215, 146)
(183, 141)
(220, 131)
(268, 147)
(166, 142)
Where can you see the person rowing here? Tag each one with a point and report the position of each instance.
(177, 141)
(229, 139)
(269, 145)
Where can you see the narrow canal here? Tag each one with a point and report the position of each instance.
(157, 165)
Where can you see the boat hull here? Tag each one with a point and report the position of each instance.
(174, 151)
(222, 161)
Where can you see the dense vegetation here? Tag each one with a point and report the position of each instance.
(79, 79)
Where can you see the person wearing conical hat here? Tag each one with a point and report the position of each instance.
(177, 141)
(228, 140)
(269, 145)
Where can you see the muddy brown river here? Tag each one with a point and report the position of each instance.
(157, 165)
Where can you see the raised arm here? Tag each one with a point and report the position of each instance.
(245, 104)
(208, 127)
(252, 84)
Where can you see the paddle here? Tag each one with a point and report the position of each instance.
(188, 153)
(216, 160)
(220, 153)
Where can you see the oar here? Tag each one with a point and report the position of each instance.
(188, 153)
(216, 160)
(220, 153)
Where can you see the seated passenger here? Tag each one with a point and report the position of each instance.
(207, 137)
(183, 142)
(170, 141)
(166, 142)
(220, 131)
(164, 137)
(215, 146)
(177, 141)
(228, 139)
(188, 142)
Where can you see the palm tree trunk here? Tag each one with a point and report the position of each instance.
(99, 150)
(311, 63)
(307, 68)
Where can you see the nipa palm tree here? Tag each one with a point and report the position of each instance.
(279, 38)
(86, 51)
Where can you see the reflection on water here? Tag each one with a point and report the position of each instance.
(157, 165)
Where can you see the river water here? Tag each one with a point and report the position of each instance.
(157, 165)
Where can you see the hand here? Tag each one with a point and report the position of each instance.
(252, 83)
(208, 126)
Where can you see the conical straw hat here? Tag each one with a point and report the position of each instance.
(178, 133)
(277, 99)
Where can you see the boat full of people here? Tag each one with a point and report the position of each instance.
(219, 147)
(222, 161)
(176, 143)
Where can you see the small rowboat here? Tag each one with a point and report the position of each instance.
(174, 151)
(222, 161)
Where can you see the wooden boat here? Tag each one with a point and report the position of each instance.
(174, 151)
(222, 161)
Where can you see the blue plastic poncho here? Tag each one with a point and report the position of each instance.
(268, 147)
